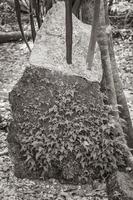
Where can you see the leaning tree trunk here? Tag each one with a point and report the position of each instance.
(92, 43)
(87, 12)
(103, 44)
(121, 99)
(112, 100)
(104, 47)
(107, 68)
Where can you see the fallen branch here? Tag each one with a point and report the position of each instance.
(13, 36)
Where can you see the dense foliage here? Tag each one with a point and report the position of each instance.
(78, 145)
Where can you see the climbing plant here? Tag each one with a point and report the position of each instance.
(79, 143)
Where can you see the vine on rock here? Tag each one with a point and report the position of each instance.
(79, 142)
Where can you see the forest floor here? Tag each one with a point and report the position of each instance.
(13, 61)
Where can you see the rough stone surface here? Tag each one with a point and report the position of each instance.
(45, 82)
(50, 47)
(36, 93)
(120, 186)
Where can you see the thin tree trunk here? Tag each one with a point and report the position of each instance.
(18, 15)
(38, 13)
(76, 7)
(103, 44)
(33, 31)
(92, 44)
(69, 31)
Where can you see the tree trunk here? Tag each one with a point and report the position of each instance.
(121, 99)
(18, 15)
(69, 31)
(92, 43)
(76, 7)
(107, 68)
(33, 31)
(103, 44)
(112, 99)
(38, 13)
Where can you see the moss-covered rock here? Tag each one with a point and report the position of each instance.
(51, 112)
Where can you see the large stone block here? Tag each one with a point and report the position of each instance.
(37, 94)
(52, 101)
(50, 48)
